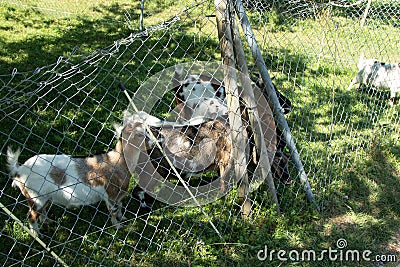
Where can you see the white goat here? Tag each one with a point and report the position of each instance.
(372, 72)
(71, 181)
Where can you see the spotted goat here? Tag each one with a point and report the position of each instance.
(71, 181)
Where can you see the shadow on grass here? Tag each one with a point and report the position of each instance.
(62, 36)
(372, 187)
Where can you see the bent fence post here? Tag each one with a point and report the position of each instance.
(276, 107)
(254, 116)
(232, 98)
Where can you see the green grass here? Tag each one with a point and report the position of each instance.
(348, 140)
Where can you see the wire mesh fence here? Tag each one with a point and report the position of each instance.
(177, 141)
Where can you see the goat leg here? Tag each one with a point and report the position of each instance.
(115, 211)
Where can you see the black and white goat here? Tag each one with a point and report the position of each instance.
(71, 181)
(198, 95)
(372, 72)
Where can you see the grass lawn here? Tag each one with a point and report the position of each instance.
(67, 59)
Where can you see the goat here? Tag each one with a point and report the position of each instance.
(285, 103)
(192, 147)
(194, 93)
(191, 90)
(200, 148)
(279, 166)
(372, 72)
(198, 95)
(364, 72)
(71, 181)
(185, 152)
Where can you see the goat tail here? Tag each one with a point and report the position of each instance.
(12, 161)
(117, 129)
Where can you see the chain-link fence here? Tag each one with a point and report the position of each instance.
(199, 162)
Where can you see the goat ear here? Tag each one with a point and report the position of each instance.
(178, 76)
(118, 129)
(126, 117)
(361, 57)
(179, 70)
